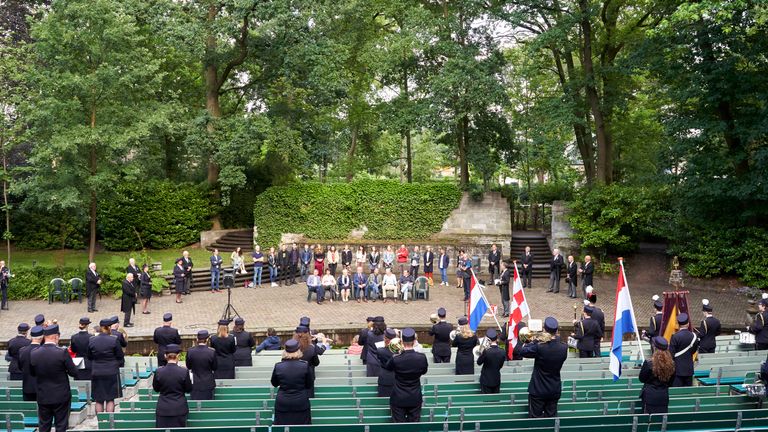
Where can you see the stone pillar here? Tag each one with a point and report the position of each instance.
(562, 233)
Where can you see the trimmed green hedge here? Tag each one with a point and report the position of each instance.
(164, 214)
(389, 209)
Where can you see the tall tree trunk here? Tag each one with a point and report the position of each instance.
(461, 146)
(407, 130)
(92, 214)
(351, 154)
(604, 143)
(7, 233)
(581, 131)
(213, 106)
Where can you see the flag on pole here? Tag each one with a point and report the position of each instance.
(518, 308)
(478, 305)
(624, 322)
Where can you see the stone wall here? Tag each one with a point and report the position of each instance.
(562, 233)
(475, 225)
(208, 238)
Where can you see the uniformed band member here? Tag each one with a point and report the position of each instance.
(128, 299)
(201, 361)
(657, 375)
(224, 345)
(29, 384)
(408, 367)
(598, 316)
(654, 327)
(92, 286)
(683, 345)
(52, 367)
(293, 378)
(309, 353)
(14, 346)
(172, 382)
(179, 276)
(386, 379)
(78, 344)
(586, 332)
(441, 331)
(106, 358)
(39, 319)
(115, 322)
(165, 336)
(708, 330)
(244, 344)
(492, 360)
(375, 335)
(759, 326)
(545, 387)
(465, 341)
(362, 338)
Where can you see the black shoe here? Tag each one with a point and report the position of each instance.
(94, 310)
(128, 325)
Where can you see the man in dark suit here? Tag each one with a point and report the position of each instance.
(29, 383)
(164, 336)
(571, 278)
(172, 382)
(188, 265)
(545, 387)
(283, 261)
(179, 279)
(408, 367)
(492, 360)
(201, 361)
(654, 326)
(293, 263)
(494, 258)
(708, 330)
(386, 381)
(92, 285)
(597, 315)
(683, 345)
(52, 367)
(128, 299)
(503, 283)
(14, 346)
(527, 260)
(5, 275)
(587, 331)
(441, 331)
(759, 326)
(135, 271)
(587, 270)
(78, 344)
(216, 261)
(555, 267)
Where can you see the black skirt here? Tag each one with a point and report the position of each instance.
(293, 417)
(105, 388)
(146, 292)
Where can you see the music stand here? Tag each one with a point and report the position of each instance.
(229, 283)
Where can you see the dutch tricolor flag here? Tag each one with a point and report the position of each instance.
(478, 305)
(624, 322)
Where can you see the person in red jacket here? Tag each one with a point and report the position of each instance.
(402, 256)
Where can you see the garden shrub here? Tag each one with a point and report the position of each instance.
(42, 230)
(389, 209)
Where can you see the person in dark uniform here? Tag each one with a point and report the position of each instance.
(683, 345)
(654, 326)
(503, 283)
(657, 375)
(201, 361)
(128, 299)
(527, 261)
(293, 378)
(494, 260)
(29, 383)
(363, 335)
(759, 326)
(587, 271)
(106, 358)
(165, 336)
(14, 346)
(179, 277)
(5, 276)
(492, 360)
(145, 289)
(39, 320)
(224, 345)
(172, 382)
(465, 341)
(597, 315)
(52, 366)
(244, 344)
(441, 331)
(408, 367)
(586, 332)
(545, 387)
(309, 353)
(92, 286)
(115, 323)
(375, 335)
(78, 344)
(571, 276)
(708, 330)
(188, 265)
(386, 379)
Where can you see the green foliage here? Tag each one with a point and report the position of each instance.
(388, 209)
(47, 230)
(155, 215)
(613, 219)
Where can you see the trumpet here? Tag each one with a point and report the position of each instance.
(534, 333)
(396, 345)
(483, 344)
(434, 318)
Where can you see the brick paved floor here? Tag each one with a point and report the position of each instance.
(281, 307)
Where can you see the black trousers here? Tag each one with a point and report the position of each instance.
(292, 273)
(48, 414)
(169, 421)
(527, 275)
(30, 397)
(201, 394)
(706, 350)
(441, 359)
(586, 353)
(542, 407)
(188, 283)
(655, 409)
(681, 381)
(406, 415)
(598, 353)
(761, 346)
(4, 296)
(414, 272)
(91, 300)
(384, 390)
(127, 319)
(490, 390)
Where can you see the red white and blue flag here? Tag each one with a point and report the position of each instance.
(518, 308)
(478, 304)
(624, 322)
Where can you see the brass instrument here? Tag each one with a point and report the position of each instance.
(453, 334)
(396, 345)
(434, 318)
(483, 344)
(534, 333)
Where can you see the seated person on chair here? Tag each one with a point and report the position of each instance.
(360, 282)
(329, 283)
(389, 283)
(406, 284)
(345, 285)
(315, 285)
(374, 283)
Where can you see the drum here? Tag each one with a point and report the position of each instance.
(572, 342)
(746, 338)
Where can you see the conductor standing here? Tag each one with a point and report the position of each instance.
(441, 331)
(405, 401)
(492, 360)
(172, 382)
(545, 387)
(52, 367)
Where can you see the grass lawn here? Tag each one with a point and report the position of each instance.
(75, 258)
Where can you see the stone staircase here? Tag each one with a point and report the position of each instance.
(232, 240)
(542, 254)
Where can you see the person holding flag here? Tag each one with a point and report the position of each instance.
(683, 346)
(624, 322)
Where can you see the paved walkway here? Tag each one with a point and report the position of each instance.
(281, 307)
